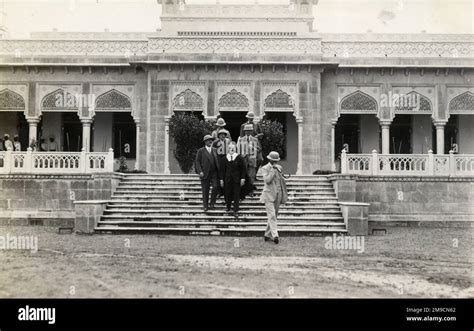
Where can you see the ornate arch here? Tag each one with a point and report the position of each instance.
(409, 102)
(60, 100)
(358, 101)
(188, 101)
(113, 100)
(233, 99)
(279, 100)
(462, 103)
(10, 100)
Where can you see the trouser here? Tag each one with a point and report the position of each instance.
(232, 193)
(206, 184)
(272, 212)
(251, 169)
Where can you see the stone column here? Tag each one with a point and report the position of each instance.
(333, 145)
(167, 145)
(299, 168)
(137, 145)
(440, 137)
(86, 134)
(33, 131)
(385, 137)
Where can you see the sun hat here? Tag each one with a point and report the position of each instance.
(223, 131)
(220, 122)
(250, 114)
(273, 156)
(207, 137)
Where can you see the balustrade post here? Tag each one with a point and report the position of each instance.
(452, 164)
(28, 166)
(343, 162)
(430, 163)
(110, 161)
(8, 161)
(83, 168)
(375, 163)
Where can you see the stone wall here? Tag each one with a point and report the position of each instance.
(49, 199)
(407, 200)
(307, 95)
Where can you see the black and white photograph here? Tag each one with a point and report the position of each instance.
(237, 149)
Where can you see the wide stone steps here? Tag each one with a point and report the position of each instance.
(173, 204)
(196, 212)
(194, 209)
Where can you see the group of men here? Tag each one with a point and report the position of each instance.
(231, 168)
(6, 144)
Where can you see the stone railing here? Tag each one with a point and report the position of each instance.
(190, 45)
(407, 164)
(56, 162)
(245, 44)
(398, 49)
(114, 48)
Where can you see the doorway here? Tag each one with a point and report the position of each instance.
(234, 119)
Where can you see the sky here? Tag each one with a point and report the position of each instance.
(331, 16)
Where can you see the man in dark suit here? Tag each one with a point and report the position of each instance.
(207, 167)
(232, 177)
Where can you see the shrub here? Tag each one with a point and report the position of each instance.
(187, 130)
(273, 139)
(123, 167)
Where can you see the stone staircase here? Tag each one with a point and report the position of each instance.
(172, 204)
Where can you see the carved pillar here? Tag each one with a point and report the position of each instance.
(167, 145)
(299, 168)
(440, 137)
(33, 131)
(86, 134)
(137, 145)
(333, 145)
(385, 126)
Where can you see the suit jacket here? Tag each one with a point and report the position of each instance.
(256, 129)
(232, 171)
(221, 146)
(270, 189)
(206, 162)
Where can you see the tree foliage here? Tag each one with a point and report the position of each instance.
(187, 130)
(273, 138)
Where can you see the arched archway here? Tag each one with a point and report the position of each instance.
(12, 116)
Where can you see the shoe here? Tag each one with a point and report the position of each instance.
(211, 207)
(236, 214)
(205, 209)
(276, 240)
(228, 210)
(266, 238)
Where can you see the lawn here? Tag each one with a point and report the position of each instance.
(406, 262)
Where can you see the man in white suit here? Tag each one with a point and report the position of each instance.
(273, 195)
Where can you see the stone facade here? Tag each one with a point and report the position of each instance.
(273, 48)
(48, 198)
(402, 200)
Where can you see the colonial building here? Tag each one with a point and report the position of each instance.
(395, 94)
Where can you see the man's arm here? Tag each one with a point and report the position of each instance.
(222, 168)
(268, 175)
(198, 161)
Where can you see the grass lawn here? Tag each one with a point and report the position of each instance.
(406, 262)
